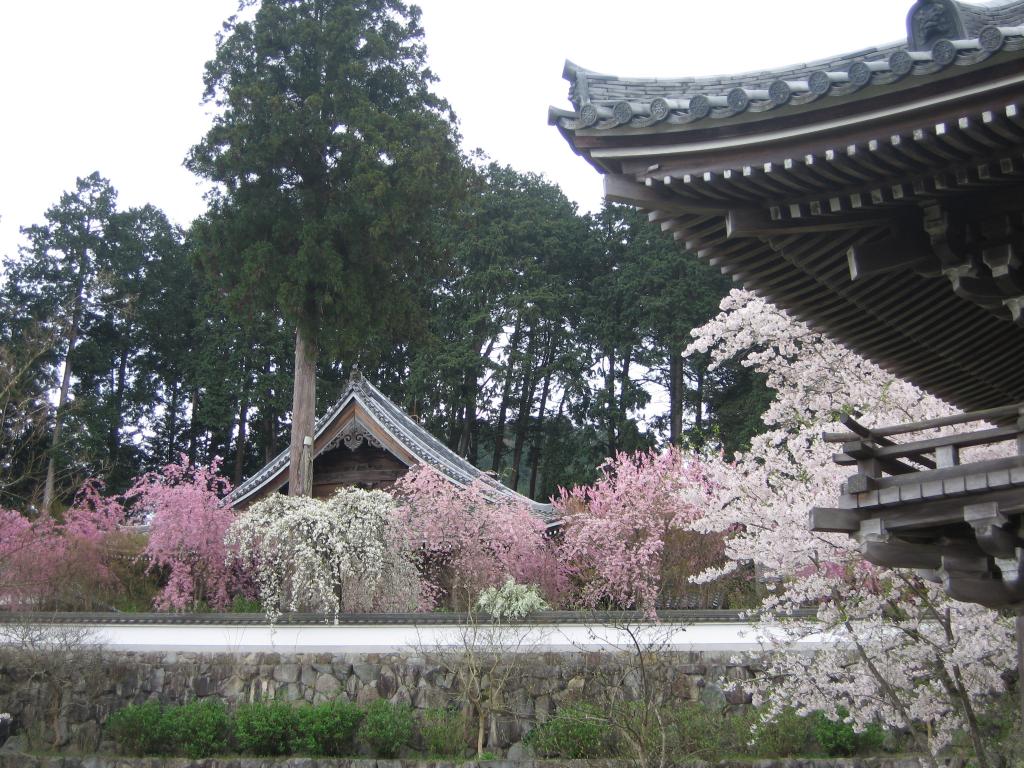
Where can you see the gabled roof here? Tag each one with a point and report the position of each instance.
(618, 104)
(363, 413)
(878, 196)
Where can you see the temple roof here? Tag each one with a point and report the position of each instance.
(606, 102)
(363, 412)
(878, 196)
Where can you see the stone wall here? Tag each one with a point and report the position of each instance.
(71, 714)
(38, 761)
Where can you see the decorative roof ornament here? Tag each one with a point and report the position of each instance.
(930, 21)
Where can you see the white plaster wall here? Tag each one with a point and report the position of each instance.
(313, 638)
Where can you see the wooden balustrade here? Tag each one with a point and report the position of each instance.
(918, 504)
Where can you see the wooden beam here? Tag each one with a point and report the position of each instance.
(900, 554)
(990, 592)
(757, 222)
(929, 514)
(990, 414)
(620, 189)
(898, 252)
(830, 520)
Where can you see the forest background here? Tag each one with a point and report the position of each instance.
(529, 340)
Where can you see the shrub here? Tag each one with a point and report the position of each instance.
(139, 729)
(266, 728)
(386, 727)
(242, 604)
(198, 729)
(511, 601)
(327, 729)
(838, 738)
(443, 732)
(699, 732)
(787, 735)
(575, 732)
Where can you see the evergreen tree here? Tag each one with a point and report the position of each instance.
(54, 282)
(330, 154)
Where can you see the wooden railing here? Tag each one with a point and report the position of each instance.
(916, 504)
(876, 455)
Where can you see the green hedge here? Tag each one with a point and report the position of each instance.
(196, 730)
(386, 727)
(575, 732)
(328, 729)
(204, 728)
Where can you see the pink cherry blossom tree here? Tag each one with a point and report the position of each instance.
(84, 577)
(471, 538)
(30, 554)
(187, 526)
(46, 563)
(615, 530)
(913, 658)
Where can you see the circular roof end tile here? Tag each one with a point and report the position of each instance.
(779, 92)
(991, 39)
(588, 115)
(944, 53)
(700, 107)
(859, 73)
(901, 63)
(819, 82)
(738, 99)
(659, 109)
(622, 112)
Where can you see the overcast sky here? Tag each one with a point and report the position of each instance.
(114, 85)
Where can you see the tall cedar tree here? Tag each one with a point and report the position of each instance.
(330, 155)
(55, 281)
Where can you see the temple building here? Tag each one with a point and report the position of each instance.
(366, 441)
(879, 196)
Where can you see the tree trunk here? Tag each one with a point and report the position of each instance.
(114, 434)
(470, 386)
(627, 362)
(525, 407)
(172, 424)
(269, 420)
(471, 451)
(243, 419)
(269, 437)
(456, 418)
(193, 425)
(49, 488)
(300, 468)
(698, 405)
(609, 393)
(538, 432)
(675, 397)
(499, 428)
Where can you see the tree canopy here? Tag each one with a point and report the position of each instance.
(331, 156)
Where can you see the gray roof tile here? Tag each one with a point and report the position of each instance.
(419, 442)
(606, 101)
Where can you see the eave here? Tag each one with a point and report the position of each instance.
(824, 208)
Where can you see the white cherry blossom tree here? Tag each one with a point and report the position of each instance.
(343, 554)
(914, 658)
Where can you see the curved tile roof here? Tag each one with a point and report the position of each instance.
(426, 448)
(604, 102)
